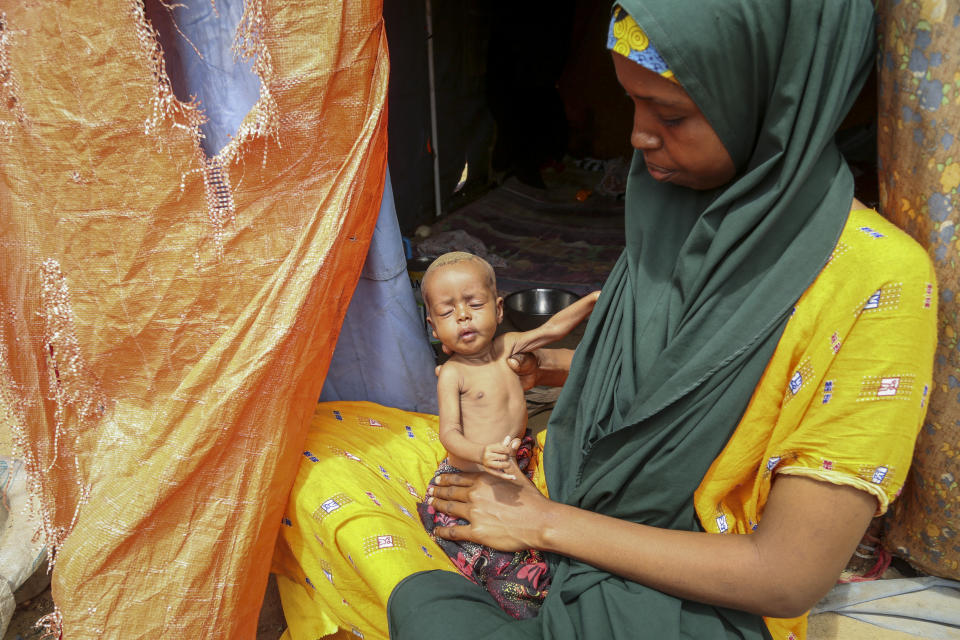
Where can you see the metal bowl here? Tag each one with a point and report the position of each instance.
(530, 308)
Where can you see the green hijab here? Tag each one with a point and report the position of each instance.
(692, 312)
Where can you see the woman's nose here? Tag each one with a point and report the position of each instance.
(644, 140)
(643, 136)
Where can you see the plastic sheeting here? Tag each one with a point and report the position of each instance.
(926, 607)
(383, 354)
(167, 317)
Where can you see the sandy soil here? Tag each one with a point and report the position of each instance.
(271, 625)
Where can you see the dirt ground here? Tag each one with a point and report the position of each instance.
(271, 625)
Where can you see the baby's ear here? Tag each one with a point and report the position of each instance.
(499, 309)
(433, 329)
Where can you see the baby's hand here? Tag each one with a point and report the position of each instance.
(496, 457)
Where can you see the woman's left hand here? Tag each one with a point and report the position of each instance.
(503, 514)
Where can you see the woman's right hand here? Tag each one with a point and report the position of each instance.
(547, 367)
(527, 367)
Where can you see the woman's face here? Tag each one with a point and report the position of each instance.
(678, 144)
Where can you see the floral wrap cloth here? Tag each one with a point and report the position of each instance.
(919, 157)
(517, 581)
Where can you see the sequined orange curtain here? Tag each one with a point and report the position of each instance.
(166, 318)
(918, 144)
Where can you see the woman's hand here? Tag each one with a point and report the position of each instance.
(547, 367)
(503, 514)
(527, 367)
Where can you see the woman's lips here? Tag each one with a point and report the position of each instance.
(659, 174)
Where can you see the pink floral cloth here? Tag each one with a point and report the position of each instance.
(517, 581)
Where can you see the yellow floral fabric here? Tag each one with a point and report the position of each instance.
(841, 401)
(846, 391)
(351, 532)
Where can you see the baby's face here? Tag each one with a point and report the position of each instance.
(463, 310)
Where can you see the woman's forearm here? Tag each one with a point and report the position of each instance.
(675, 562)
(781, 570)
(554, 366)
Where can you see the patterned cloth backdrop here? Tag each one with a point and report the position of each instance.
(919, 153)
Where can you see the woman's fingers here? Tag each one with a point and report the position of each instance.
(457, 532)
(458, 494)
(449, 507)
(454, 480)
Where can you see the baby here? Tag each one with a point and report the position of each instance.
(483, 412)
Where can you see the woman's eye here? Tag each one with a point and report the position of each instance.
(671, 122)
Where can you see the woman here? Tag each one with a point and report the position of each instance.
(743, 371)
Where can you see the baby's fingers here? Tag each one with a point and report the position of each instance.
(497, 469)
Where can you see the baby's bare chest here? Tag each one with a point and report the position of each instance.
(492, 392)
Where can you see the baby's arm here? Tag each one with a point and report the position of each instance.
(494, 458)
(559, 325)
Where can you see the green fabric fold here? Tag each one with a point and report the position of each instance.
(694, 308)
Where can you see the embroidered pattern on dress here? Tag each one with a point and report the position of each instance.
(722, 525)
(800, 378)
(412, 490)
(897, 387)
(876, 475)
(928, 296)
(886, 298)
(376, 544)
(827, 391)
(331, 505)
(835, 342)
(871, 232)
(372, 422)
(337, 451)
(838, 251)
(327, 569)
(402, 509)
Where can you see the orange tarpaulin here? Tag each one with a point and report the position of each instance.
(166, 318)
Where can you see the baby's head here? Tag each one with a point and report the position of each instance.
(459, 292)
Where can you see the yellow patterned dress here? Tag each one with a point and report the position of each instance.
(841, 401)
